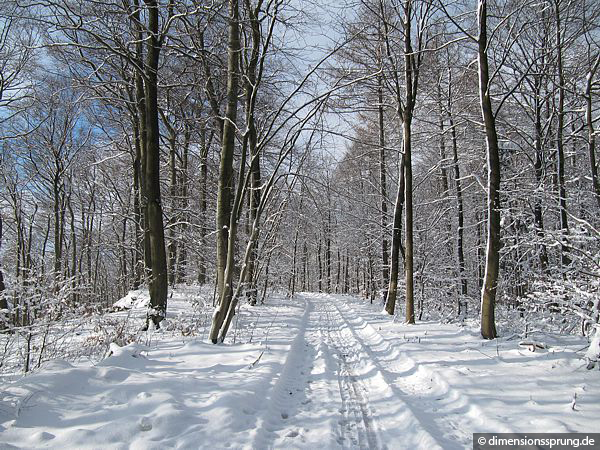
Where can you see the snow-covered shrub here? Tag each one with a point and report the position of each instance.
(569, 306)
(592, 355)
(39, 322)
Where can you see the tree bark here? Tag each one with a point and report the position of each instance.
(390, 303)
(408, 223)
(405, 109)
(459, 203)
(538, 216)
(3, 301)
(490, 284)
(158, 279)
(202, 276)
(560, 154)
(225, 187)
(137, 208)
(182, 254)
(385, 259)
(140, 94)
(58, 209)
(250, 88)
(172, 247)
(410, 78)
(328, 249)
(320, 265)
(591, 132)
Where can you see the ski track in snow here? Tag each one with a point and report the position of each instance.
(345, 379)
(331, 372)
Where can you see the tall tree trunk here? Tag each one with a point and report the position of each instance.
(488, 293)
(328, 250)
(250, 88)
(591, 132)
(292, 285)
(347, 273)
(320, 266)
(225, 187)
(202, 276)
(74, 275)
(305, 272)
(385, 260)
(410, 78)
(560, 154)
(172, 247)
(460, 253)
(137, 208)
(158, 279)
(58, 226)
(182, 254)
(538, 216)
(294, 254)
(390, 303)
(445, 188)
(408, 232)
(140, 94)
(405, 108)
(3, 301)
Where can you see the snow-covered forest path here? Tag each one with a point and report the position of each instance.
(317, 371)
(337, 387)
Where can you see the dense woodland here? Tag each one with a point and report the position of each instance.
(436, 156)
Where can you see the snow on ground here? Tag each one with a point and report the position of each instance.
(318, 371)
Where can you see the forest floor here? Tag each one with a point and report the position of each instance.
(318, 371)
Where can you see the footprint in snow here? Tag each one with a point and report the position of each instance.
(43, 436)
(145, 424)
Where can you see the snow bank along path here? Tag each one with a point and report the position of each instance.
(322, 372)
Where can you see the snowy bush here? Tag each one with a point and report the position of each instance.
(569, 306)
(592, 355)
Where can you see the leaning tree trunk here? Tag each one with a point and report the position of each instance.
(158, 279)
(490, 284)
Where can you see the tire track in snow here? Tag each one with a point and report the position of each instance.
(318, 400)
(284, 397)
(338, 388)
(399, 426)
(374, 412)
(357, 426)
(447, 412)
